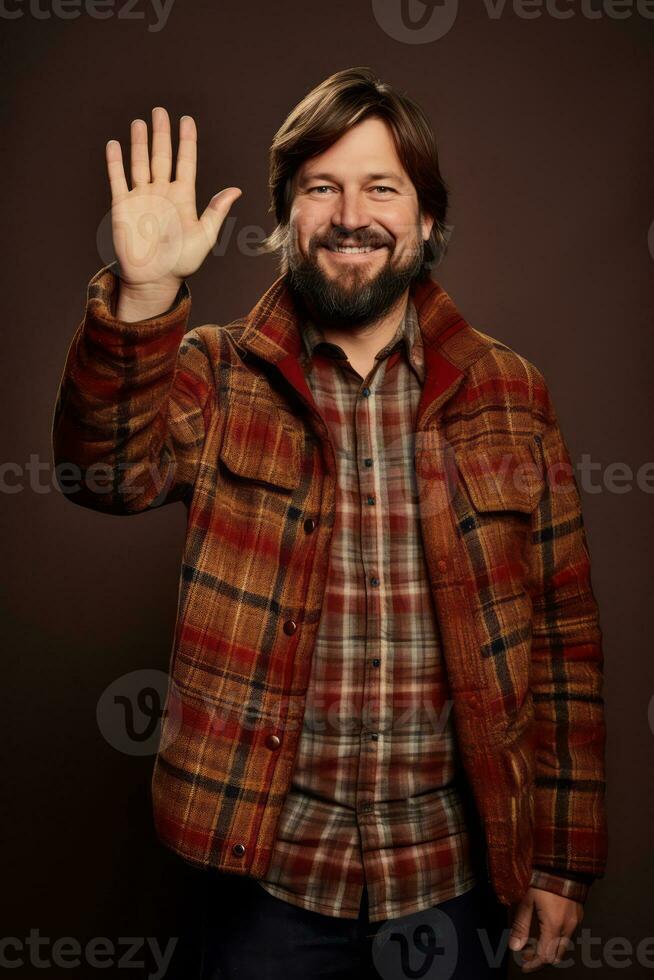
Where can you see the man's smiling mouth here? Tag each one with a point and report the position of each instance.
(353, 249)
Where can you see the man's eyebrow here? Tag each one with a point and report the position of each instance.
(327, 176)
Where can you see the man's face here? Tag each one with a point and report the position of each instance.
(356, 193)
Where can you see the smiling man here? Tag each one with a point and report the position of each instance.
(355, 244)
(387, 663)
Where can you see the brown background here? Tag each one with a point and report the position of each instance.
(544, 135)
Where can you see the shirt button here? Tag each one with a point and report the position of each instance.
(442, 566)
(365, 392)
(368, 462)
(273, 741)
(374, 736)
(238, 850)
(371, 500)
(290, 626)
(309, 525)
(376, 662)
(374, 581)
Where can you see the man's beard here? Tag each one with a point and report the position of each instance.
(357, 297)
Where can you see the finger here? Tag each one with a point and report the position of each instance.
(140, 159)
(187, 151)
(548, 943)
(116, 171)
(216, 210)
(565, 945)
(531, 965)
(521, 924)
(162, 152)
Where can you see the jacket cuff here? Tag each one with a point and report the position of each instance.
(102, 296)
(575, 888)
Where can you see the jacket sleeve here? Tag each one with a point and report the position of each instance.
(570, 832)
(574, 888)
(132, 407)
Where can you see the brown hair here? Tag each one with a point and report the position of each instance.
(322, 117)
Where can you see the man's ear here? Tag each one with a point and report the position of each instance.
(427, 223)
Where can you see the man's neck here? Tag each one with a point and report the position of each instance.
(362, 343)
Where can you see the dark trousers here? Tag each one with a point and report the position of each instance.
(248, 934)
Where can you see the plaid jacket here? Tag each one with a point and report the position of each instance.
(222, 419)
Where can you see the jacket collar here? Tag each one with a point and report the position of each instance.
(272, 331)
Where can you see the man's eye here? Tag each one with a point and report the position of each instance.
(377, 187)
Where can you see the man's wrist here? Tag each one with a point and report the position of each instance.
(144, 301)
(561, 883)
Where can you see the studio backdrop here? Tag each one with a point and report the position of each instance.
(542, 115)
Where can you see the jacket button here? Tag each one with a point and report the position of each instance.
(238, 850)
(290, 626)
(441, 566)
(273, 741)
(309, 525)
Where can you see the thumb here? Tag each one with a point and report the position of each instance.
(216, 210)
(521, 923)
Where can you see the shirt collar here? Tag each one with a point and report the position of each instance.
(407, 335)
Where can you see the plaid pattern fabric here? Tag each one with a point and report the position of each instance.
(374, 795)
(222, 418)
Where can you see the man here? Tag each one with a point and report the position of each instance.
(387, 664)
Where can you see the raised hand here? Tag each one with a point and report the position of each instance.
(158, 238)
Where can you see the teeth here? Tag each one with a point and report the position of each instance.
(351, 250)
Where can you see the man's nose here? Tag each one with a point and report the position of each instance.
(350, 212)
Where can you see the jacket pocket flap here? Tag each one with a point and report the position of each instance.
(257, 446)
(501, 477)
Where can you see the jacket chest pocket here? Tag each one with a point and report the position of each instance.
(499, 488)
(258, 448)
(501, 478)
